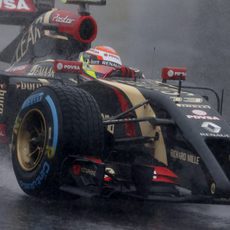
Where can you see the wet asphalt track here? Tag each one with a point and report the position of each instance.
(148, 34)
(19, 211)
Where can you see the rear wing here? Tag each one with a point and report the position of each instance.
(23, 12)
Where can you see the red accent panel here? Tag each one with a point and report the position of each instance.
(63, 66)
(17, 6)
(107, 179)
(163, 179)
(129, 127)
(164, 175)
(76, 169)
(18, 70)
(163, 171)
(100, 58)
(80, 22)
(94, 160)
(3, 135)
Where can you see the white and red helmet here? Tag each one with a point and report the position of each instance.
(100, 60)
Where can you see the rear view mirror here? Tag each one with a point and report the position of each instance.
(173, 73)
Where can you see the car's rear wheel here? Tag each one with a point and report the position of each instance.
(53, 123)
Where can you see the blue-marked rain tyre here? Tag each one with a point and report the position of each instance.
(53, 123)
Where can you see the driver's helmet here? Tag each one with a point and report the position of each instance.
(99, 61)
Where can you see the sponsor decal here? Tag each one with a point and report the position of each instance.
(211, 127)
(17, 69)
(17, 5)
(199, 112)
(29, 38)
(184, 156)
(106, 56)
(41, 71)
(174, 73)
(110, 171)
(197, 117)
(33, 99)
(106, 63)
(55, 125)
(2, 100)
(28, 85)
(17, 125)
(171, 91)
(195, 106)
(187, 99)
(2, 130)
(193, 100)
(88, 171)
(38, 181)
(177, 99)
(65, 19)
(3, 86)
(50, 152)
(60, 66)
(64, 66)
(110, 128)
(215, 135)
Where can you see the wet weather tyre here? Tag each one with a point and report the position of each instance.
(53, 123)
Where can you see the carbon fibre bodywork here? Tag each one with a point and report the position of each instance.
(186, 147)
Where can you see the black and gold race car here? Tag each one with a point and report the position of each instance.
(108, 137)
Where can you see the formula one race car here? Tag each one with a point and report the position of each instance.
(104, 137)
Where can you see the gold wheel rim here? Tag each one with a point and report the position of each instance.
(31, 140)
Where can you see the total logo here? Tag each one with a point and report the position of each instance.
(66, 19)
(20, 5)
(211, 127)
(201, 115)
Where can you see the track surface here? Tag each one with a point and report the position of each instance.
(18, 211)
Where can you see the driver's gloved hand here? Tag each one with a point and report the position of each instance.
(125, 72)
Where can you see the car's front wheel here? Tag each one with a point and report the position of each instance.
(52, 124)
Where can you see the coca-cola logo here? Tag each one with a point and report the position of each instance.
(17, 5)
(63, 19)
